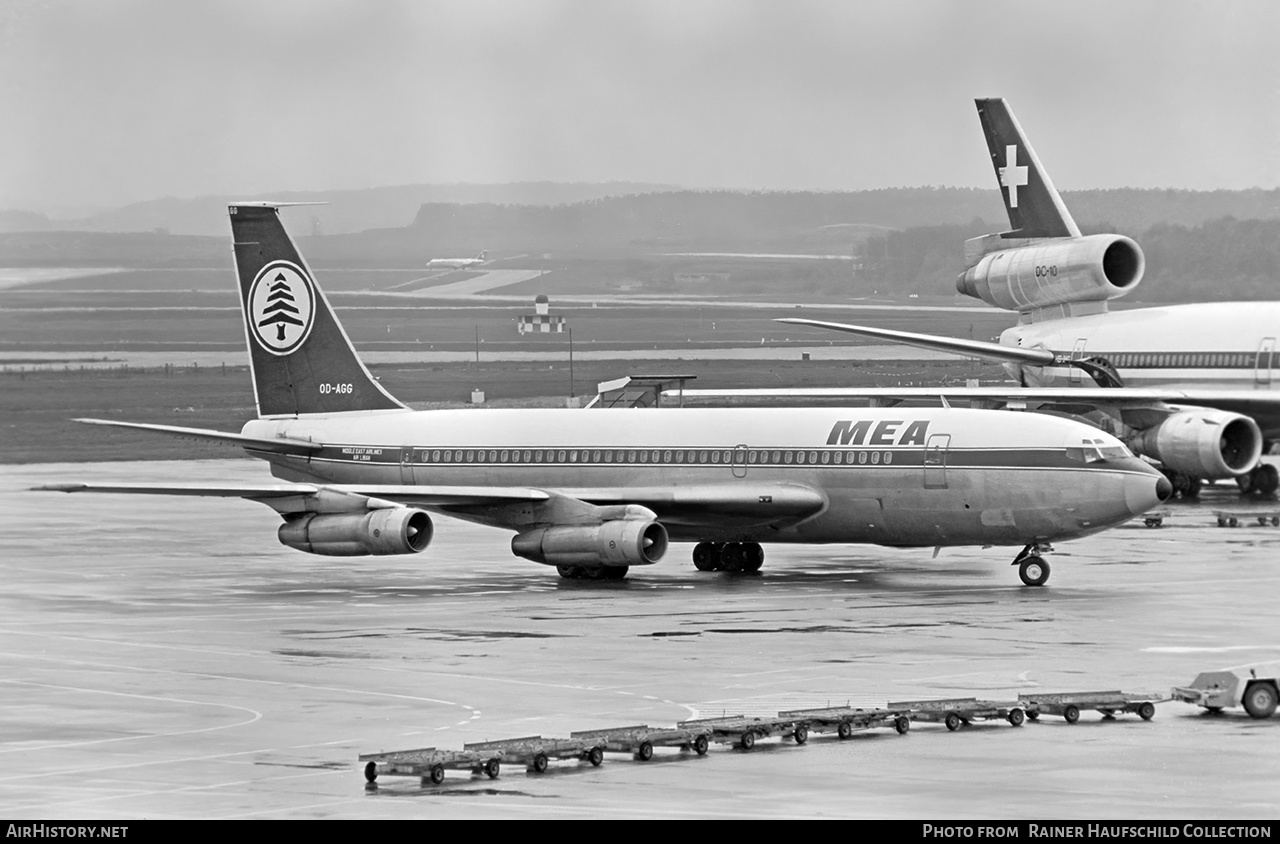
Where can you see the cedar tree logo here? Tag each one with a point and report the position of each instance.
(281, 307)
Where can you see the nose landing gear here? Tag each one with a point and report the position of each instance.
(1033, 568)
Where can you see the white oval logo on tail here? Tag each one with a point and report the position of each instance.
(281, 307)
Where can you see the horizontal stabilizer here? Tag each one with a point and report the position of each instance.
(278, 445)
(970, 348)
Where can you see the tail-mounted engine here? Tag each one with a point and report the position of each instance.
(1208, 444)
(397, 530)
(1024, 275)
(622, 542)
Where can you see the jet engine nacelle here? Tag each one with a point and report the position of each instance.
(622, 542)
(1208, 444)
(1055, 272)
(398, 530)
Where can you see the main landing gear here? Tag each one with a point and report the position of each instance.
(1184, 485)
(1032, 568)
(592, 572)
(728, 556)
(1263, 480)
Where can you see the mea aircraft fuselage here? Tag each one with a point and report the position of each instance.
(923, 477)
(594, 492)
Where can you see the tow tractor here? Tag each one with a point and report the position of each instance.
(1217, 690)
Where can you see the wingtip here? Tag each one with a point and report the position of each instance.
(60, 488)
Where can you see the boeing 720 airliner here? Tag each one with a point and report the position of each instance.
(596, 492)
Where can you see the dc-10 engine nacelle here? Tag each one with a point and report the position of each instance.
(1044, 273)
(393, 530)
(1207, 444)
(621, 542)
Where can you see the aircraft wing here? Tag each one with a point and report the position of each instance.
(279, 445)
(742, 503)
(969, 348)
(748, 504)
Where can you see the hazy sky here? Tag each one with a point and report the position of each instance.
(115, 101)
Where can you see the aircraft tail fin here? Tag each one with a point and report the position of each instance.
(1034, 206)
(483, 252)
(301, 358)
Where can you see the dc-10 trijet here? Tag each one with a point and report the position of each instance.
(595, 492)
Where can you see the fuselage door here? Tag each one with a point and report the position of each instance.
(935, 461)
(406, 465)
(1266, 351)
(740, 461)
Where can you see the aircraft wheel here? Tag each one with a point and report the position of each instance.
(645, 752)
(595, 756)
(706, 556)
(540, 763)
(1194, 485)
(1016, 717)
(902, 724)
(1260, 700)
(752, 556)
(437, 774)
(1071, 714)
(1146, 710)
(801, 734)
(492, 768)
(614, 572)
(569, 572)
(844, 730)
(953, 721)
(700, 745)
(732, 557)
(1034, 571)
(371, 772)
(1266, 479)
(747, 741)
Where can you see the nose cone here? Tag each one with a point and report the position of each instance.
(1144, 491)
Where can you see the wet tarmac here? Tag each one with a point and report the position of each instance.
(166, 657)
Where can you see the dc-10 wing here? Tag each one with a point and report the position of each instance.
(970, 348)
(1012, 396)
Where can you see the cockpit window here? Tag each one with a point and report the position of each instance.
(1094, 451)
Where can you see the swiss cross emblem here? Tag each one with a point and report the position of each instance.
(1011, 175)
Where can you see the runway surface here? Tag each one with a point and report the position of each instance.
(165, 657)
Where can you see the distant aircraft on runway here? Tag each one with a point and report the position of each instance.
(1191, 386)
(456, 263)
(595, 492)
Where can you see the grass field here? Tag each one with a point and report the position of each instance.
(37, 408)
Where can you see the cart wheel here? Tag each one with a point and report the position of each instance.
(844, 729)
(371, 772)
(1233, 521)
(700, 745)
(595, 756)
(437, 774)
(492, 768)
(1259, 700)
(1222, 521)
(801, 734)
(1033, 714)
(644, 752)
(748, 741)
(953, 721)
(1071, 713)
(1146, 710)
(902, 723)
(1016, 717)
(540, 763)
